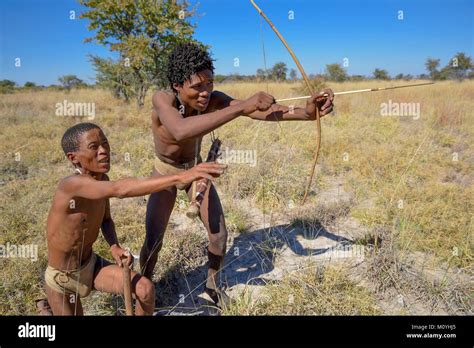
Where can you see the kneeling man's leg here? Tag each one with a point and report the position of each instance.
(109, 278)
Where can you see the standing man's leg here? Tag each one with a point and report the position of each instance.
(212, 216)
(158, 211)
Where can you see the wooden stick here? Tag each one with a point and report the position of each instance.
(358, 91)
(193, 209)
(199, 192)
(127, 288)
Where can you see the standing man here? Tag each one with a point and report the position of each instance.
(180, 119)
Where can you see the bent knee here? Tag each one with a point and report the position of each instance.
(218, 240)
(145, 290)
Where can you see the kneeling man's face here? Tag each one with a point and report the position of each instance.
(94, 152)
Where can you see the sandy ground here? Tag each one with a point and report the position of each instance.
(275, 245)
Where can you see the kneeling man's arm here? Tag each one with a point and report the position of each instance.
(110, 235)
(89, 188)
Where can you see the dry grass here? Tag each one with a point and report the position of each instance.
(313, 291)
(390, 268)
(390, 161)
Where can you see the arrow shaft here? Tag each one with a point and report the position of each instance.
(358, 91)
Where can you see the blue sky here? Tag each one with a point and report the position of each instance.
(367, 32)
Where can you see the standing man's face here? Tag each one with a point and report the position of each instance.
(196, 92)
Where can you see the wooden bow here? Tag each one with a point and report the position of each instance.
(310, 89)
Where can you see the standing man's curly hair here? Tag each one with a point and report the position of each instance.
(187, 59)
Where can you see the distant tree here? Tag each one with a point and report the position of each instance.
(219, 78)
(29, 85)
(70, 81)
(380, 74)
(234, 77)
(432, 67)
(261, 74)
(335, 72)
(357, 78)
(278, 72)
(143, 32)
(7, 86)
(459, 67)
(403, 77)
(293, 75)
(7, 83)
(54, 87)
(446, 73)
(114, 77)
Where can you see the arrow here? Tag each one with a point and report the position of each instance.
(359, 91)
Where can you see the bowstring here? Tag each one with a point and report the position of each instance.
(265, 67)
(273, 111)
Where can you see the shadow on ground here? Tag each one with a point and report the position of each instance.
(249, 260)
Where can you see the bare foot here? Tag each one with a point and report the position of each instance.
(43, 307)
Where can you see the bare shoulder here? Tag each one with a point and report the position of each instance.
(70, 183)
(161, 98)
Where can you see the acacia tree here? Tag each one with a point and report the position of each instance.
(458, 67)
(336, 72)
(260, 74)
(7, 86)
(114, 76)
(278, 72)
(293, 75)
(380, 74)
(142, 33)
(432, 67)
(70, 81)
